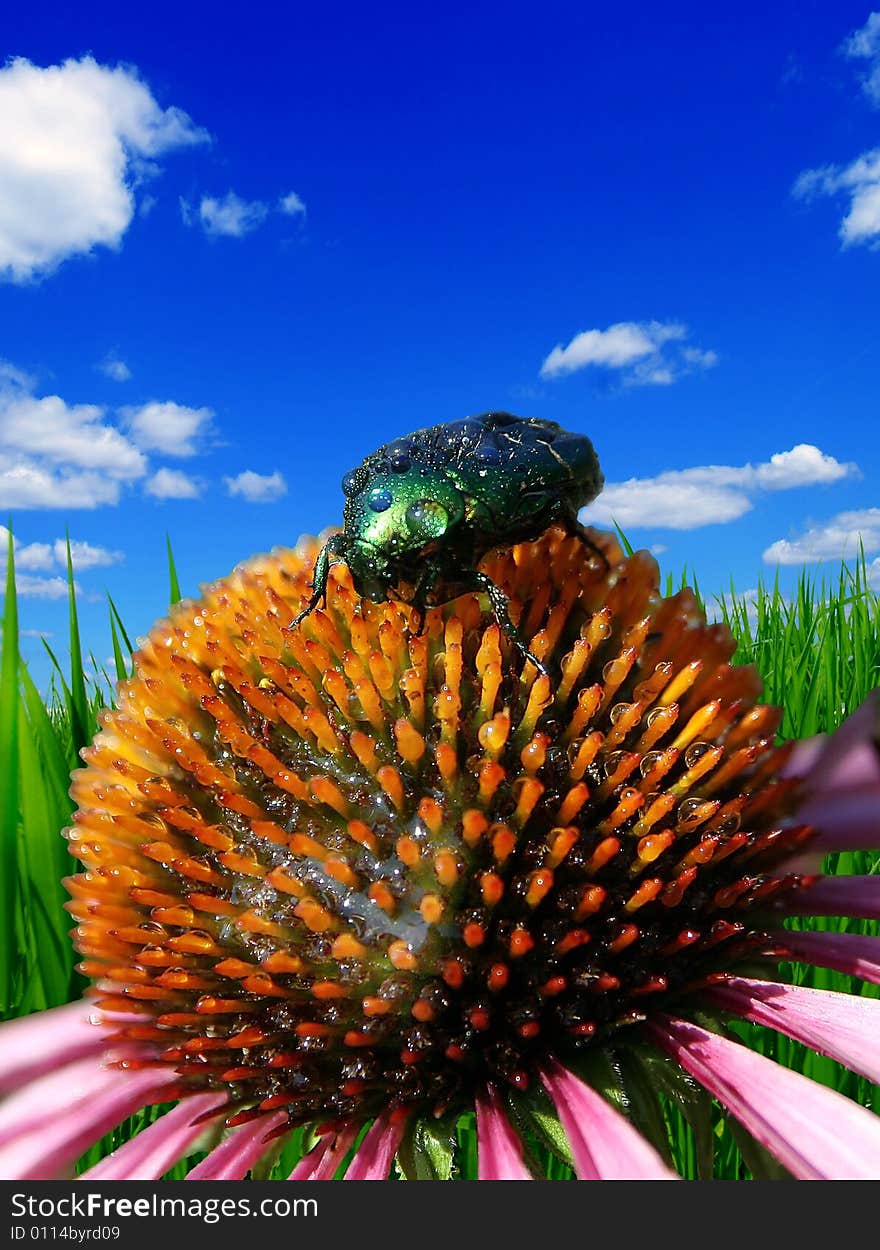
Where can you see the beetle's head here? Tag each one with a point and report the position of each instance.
(391, 517)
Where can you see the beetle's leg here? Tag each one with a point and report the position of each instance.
(574, 529)
(428, 574)
(501, 608)
(332, 548)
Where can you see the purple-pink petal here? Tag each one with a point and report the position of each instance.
(850, 756)
(843, 1026)
(237, 1154)
(49, 1125)
(816, 1133)
(499, 1151)
(148, 1156)
(322, 1161)
(844, 820)
(837, 896)
(245, 1145)
(804, 756)
(850, 953)
(376, 1152)
(604, 1145)
(46, 1040)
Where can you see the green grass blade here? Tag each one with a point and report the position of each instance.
(79, 704)
(118, 657)
(627, 546)
(43, 814)
(173, 584)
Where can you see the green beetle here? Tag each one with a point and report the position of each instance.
(422, 511)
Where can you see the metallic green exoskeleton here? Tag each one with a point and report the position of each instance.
(422, 511)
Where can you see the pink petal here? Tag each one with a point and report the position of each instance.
(604, 1144)
(851, 953)
(842, 1026)
(804, 756)
(499, 1152)
(323, 1159)
(376, 1152)
(148, 1156)
(245, 1146)
(845, 820)
(49, 1143)
(837, 896)
(849, 757)
(816, 1133)
(37, 1103)
(46, 1040)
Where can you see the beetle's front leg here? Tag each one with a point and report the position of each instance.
(429, 574)
(333, 549)
(501, 608)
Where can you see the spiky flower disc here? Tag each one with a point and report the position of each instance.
(344, 868)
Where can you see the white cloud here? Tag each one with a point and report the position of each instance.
(38, 557)
(684, 499)
(84, 556)
(172, 484)
(864, 44)
(874, 574)
(73, 435)
(860, 180)
(59, 455)
(229, 215)
(43, 587)
(167, 427)
(648, 353)
(44, 557)
(36, 633)
(256, 487)
(115, 369)
(75, 140)
(804, 465)
(292, 205)
(836, 539)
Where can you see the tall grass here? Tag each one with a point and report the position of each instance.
(818, 652)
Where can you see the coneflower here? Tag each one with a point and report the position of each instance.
(346, 876)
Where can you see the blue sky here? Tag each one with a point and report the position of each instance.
(239, 252)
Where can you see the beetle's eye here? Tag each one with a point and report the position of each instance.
(380, 499)
(351, 481)
(427, 519)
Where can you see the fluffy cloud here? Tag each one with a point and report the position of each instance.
(836, 539)
(860, 181)
(167, 427)
(172, 484)
(75, 140)
(229, 215)
(256, 487)
(59, 455)
(43, 587)
(684, 499)
(292, 205)
(864, 45)
(647, 353)
(45, 557)
(114, 368)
